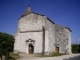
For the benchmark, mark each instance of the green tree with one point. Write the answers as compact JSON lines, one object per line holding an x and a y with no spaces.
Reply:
{"x":78,"y":48}
{"x":6,"y":44}
{"x":74,"y":48}
{"x":0,"y":51}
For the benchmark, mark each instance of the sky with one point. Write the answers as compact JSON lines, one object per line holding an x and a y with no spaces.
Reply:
{"x":63,"y":12}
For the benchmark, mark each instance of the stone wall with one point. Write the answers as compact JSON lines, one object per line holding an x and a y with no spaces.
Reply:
{"x":31,"y":27}
{"x":69,"y":42}
{"x":50,"y":28}
{"x":17,"y":39}
{"x":62,"y":38}
{"x":36,"y":36}
{"x":31,"y":22}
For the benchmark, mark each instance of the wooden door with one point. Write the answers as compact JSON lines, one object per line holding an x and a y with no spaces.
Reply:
{"x":31,"y":49}
{"x":57,"y":49}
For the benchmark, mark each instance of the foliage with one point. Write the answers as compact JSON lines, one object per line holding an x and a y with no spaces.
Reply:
{"x":57,"y":54}
{"x":50,"y":55}
{"x":74,"y":48}
{"x":78,"y":48}
{"x":6,"y":44}
{"x":14,"y":55}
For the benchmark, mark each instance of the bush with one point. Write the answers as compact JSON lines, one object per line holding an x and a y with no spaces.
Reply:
{"x":50,"y":55}
{"x":14,"y":55}
{"x":56,"y":54}
{"x":74,"y":48}
{"x":6,"y":45}
{"x":12,"y":59}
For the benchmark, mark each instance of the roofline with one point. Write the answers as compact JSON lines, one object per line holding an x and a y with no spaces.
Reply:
{"x":37,"y":14}
{"x":68,"y":29}
{"x":50,"y":20}
{"x":46,"y":17}
{"x":64,"y":27}
{"x":34,"y":13}
{"x":30,"y":13}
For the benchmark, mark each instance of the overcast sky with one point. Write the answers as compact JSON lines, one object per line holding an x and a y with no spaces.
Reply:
{"x":63,"y":12}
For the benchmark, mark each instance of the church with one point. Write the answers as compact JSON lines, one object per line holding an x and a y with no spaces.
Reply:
{"x":36,"y":34}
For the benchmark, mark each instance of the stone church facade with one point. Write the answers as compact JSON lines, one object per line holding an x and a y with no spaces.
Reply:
{"x":36,"y":33}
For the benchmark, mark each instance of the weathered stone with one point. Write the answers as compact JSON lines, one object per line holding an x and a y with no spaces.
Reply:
{"x":43,"y":34}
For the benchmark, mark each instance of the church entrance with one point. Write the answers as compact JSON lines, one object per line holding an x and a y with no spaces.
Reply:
{"x":31,"y":49}
{"x":30,"y":46}
{"x":57,"y":49}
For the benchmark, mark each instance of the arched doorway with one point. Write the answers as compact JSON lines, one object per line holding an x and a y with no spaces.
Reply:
{"x":31,"y":49}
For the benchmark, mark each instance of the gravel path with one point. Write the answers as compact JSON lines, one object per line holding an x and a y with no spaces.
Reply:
{"x":27,"y":57}
{"x":32,"y":57}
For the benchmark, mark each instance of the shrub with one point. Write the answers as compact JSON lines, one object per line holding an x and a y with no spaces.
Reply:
{"x":14,"y":55}
{"x":56,"y":54}
{"x":50,"y":55}
{"x":74,"y":48}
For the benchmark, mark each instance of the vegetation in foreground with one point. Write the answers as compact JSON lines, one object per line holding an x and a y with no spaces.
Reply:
{"x":75,"y":48}
{"x":49,"y":55}
{"x":6,"y":45}
{"x":14,"y":56}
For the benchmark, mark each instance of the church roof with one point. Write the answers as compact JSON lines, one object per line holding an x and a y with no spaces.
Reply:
{"x":28,"y":11}
{"x":68,"y":29}
{"x":64,"y":27}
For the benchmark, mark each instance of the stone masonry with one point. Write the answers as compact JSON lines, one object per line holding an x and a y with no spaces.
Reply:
{"x":42,"y":33}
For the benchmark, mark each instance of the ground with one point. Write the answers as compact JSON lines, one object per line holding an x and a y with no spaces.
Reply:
{"x":32,"y":57}
{"x":27,"y":56}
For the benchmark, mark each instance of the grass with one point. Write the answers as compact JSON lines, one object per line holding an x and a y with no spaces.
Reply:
{"x":12,"y":59}
{"x":50,"y":55}
{"x":57,"y":54}
{"x":14,"y":56}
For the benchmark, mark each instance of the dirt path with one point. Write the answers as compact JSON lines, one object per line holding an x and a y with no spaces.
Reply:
{"x":27,"y":57}
{"x":32,"y":57}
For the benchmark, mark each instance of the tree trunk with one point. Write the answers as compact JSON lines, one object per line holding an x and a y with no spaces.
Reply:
{"x":1,"y":53}
{"x":7,"y":54}
{"x":1,"y":58}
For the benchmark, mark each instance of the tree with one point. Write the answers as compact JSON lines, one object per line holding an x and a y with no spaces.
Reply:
{"x":6,"y":44}
{"x":78,"y":48}
{"x":74,"y":48}
{"x":0,"y":51}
